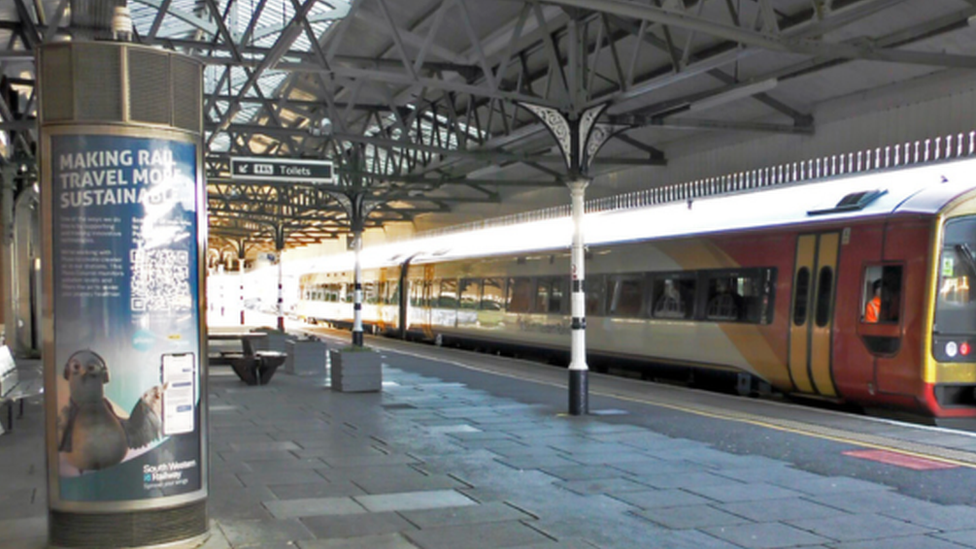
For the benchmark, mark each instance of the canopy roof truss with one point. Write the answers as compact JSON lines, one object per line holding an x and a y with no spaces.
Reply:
{"x":416,"y":101}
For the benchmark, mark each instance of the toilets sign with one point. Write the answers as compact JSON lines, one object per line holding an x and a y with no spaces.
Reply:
{"x":283,"y":170}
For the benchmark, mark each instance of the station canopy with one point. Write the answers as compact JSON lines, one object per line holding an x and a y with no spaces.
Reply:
{"x":418,"y":103}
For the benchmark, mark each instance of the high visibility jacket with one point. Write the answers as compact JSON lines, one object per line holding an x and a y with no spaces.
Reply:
{"x":873,"y":310}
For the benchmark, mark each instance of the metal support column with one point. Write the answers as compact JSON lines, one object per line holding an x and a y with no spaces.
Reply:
{"x":578,"y":370}
{"x":8,"y":176}
{"x":579,"y":138}
{"x":358,"y":221}
{"x":279,"y":257}
{"x":241,"y":256}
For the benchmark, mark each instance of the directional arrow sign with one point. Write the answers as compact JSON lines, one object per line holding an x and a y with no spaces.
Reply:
{"x":284,"y":170}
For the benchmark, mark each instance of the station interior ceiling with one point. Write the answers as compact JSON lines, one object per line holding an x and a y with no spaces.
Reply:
{"x":421,"y":104}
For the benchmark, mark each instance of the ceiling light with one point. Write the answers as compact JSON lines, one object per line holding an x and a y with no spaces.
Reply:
{"x":734,"y":94}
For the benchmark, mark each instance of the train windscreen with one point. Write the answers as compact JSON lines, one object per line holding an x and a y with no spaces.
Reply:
{"x":955,"y":309}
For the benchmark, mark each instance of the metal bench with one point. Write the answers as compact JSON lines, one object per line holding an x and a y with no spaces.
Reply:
{"x":259,"y":368}
{"x":15,"y":386}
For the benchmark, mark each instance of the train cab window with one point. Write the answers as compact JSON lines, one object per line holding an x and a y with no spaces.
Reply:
{"x":673,"y":297}
{"x":955,"y":307}
{"x":470,"y":293}
{"x":448,"y":297}
{"x":493,"y":294}
{"x":520,"y":294}
{"x":625,"y":295}
{"x":881,"y":294}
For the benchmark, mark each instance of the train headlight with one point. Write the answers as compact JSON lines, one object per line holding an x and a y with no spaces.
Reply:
{"x":951,"y":349}
{"x":964,"y":348}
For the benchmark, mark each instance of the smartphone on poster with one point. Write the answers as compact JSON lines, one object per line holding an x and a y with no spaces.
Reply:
{"x":178,"y":376}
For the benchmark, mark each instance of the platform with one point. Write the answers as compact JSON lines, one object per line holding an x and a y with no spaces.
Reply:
{"x":452,"y":455}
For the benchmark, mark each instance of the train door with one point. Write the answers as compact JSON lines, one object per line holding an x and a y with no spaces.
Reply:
{"x":812,"y":318}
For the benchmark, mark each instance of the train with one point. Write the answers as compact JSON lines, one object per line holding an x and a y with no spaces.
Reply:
{"x":772,"y":285}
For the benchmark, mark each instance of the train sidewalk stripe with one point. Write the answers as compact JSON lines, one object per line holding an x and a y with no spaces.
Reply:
{"x":901,"y":460}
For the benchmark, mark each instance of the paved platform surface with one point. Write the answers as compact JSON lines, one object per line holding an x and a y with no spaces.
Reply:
{"x":450,"y":458}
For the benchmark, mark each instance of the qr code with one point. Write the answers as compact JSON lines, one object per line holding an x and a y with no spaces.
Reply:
{"x":160,"y":280}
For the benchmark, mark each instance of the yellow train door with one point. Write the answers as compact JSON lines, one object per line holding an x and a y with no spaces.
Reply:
{"x":812,"y":313}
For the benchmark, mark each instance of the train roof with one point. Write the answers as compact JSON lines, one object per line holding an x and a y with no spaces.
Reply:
{"x":923,"y":190}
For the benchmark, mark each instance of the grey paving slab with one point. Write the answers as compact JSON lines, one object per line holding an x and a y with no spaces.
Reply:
{"x":652,"y":466}
{"x":383,"y":541}
{"x":965,"y":538}
{"x":602,"y":486}
{"x":696,"y":516}
{"x":245,"y":533}
{"x":874,"y":501}
{"x":689,"y":480}
{"x":257,"y":455}
{"x":561,"y":544}
{"x":335,"y":488}
{"x":408,"y":484}
{"x":477,"y":536}
{"x":932,"y":515}
{"x":860,"y":526}
{"x":288,"y":464}
{"x":910,"y":542}
{"x":765,"y":535}
{"x":774,"y":510}
{"x":727,"y":493}
{"x":582,"y":472}
{"x":408,"y":501}
{"x":370,"y":460}
{"x":310,"y":507}
{"x":267,"y":446}
{"x":349,"y":526}
{"x":535,"y":461}
{"x":834,"y":485}
{"x":26,"y":533}
{"x":280,"y":477}
{"x":652,"y":499}
{"x":496,"y":445}
{"x":471,"y":514}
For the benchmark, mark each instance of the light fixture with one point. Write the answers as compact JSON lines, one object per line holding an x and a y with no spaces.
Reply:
{"x":734,"y":94}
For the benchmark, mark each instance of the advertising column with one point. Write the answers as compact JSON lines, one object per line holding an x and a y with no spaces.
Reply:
{"x":124,"y":222}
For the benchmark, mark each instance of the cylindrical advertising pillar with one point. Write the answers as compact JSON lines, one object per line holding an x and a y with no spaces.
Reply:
{"x":124,"y":233}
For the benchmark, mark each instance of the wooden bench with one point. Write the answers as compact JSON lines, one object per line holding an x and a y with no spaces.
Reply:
{"x":259,"y":368}
{"x":15,"y":386}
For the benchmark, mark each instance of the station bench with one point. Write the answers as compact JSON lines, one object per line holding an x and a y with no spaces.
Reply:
{"x":15,"y":387}
{"x":259,"y":368}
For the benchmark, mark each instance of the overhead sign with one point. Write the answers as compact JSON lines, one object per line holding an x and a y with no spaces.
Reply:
{"x":284,"y":170}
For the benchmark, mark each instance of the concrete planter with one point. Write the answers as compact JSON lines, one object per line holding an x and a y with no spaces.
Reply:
{"x":275,"y":340}
{"x":355,"y":371}
{"x":306,"y":357}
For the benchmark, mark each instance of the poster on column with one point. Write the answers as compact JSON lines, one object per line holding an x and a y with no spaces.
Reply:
{"x":126,"y":317}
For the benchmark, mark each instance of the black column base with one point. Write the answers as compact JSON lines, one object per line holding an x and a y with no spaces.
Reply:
{"x":129,"y":529}
{"x":579,"y":392}
{"x":357,"y":339}
{"x":281,"y":324}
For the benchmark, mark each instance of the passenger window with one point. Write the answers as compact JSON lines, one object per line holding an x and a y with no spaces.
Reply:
{"x":519,"y":295}
{"x":881,"y":294}
{"x":557,"y":294}
{"x":448,"y":295}
{"x":470,"y":294}
{"x":493,"y":296}
{"x":725,"y":300}
{"x":673,"y":297}
{"x":825,"y":293}
{"x":801,"y":294}
{"x":625,"y":294}
{"x":593,"y":288}
{"x":542,"y":295}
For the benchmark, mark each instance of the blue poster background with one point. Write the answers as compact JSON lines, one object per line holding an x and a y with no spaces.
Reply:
{"x":125,"y":294}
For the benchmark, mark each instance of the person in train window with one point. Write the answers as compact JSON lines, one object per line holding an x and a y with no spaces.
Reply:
{"x":670,"y":304}
{"x":726,"y":304}
{"x":872,"y":311}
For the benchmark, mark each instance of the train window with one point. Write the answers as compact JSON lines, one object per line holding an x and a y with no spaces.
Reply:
{"x":725,"y":301}
{"x":470,"y":293}
{"x":673,"y":297}
{"x":740,"y":296}
{"x":542,"y":295}
{"x":558,"y":294}
{"x":801,"y":294}
{"x":448,"y":296}
{"x":348,"y":293}
{"x":625,"y":294}
{"x":493,"y":294}
{"x":520,"y":295}
{"x":593,"y":287}
{"x":955,"y":308}
{"x":881,"y":294}
{"x":825,"y":294}
{"x":369,"y":292}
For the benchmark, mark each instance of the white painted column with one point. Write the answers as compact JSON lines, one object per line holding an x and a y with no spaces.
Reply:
{"x":281,"y":291}
{"x":357,"y":326}
{"x":578,"y":370}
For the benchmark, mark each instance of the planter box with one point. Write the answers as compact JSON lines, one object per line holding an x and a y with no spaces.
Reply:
{"x":306,"y":357}
{"x":356,"y":371}
{"x":275,"y":341}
